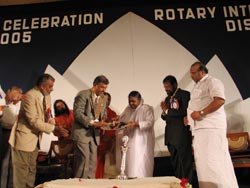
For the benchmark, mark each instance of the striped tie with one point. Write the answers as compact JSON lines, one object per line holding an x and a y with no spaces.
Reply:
{"x":96,"y":103}
{"x":44,"y":110}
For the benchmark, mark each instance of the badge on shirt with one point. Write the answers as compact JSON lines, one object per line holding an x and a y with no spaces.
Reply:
{"x":174,"y":104}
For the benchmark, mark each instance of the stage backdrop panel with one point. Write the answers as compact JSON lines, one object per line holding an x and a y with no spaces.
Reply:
{"x":135,"y":46}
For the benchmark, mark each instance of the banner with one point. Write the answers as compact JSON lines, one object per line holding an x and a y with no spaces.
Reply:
{"x":135,"y":46}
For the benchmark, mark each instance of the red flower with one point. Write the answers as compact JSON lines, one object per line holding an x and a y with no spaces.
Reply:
{"x":184,"y":182}
{"x":114,"y":186}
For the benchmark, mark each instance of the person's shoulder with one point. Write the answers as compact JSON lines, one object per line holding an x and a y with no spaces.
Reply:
{"x":148,"y":107}
{"x":127,"y":109}
{"x":33,"y":92}
{"x":184,"y":91}
{"x":213,"y":80}
{"x":84,"y":92}
{"x":216,"y":79}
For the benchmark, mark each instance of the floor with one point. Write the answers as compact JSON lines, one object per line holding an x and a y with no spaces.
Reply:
{"x":243,"y":175}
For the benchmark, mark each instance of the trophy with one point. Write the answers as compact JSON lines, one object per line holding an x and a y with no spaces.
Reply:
{"x":124,"y":148}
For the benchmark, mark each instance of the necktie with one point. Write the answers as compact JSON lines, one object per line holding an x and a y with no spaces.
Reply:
{"x":44,"y":110}
{"x":97,"y":108}
{"x":96,"y":102}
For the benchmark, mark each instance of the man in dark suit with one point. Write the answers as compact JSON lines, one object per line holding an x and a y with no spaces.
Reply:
{"x":178,"y":137}
{"x":89,"y":116}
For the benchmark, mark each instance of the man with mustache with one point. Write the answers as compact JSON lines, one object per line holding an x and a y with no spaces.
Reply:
{"x":33,"y":120}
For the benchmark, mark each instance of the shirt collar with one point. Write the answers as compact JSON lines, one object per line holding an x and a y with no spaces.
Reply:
{"x":41,"y":97}
{"x":204,"y":78}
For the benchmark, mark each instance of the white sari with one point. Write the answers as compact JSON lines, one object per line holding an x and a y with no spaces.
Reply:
{"x":140,"y":153}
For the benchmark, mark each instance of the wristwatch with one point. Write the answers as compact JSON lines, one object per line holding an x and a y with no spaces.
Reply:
{"x":201,"y":112}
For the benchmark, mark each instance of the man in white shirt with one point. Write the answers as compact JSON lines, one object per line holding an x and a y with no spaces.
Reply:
{"x":10,"y":105}
{"x":206,"y":110}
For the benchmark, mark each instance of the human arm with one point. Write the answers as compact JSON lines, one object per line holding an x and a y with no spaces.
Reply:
{"x":83,"y":114}
{"x":99,"y":124}
{"x":216,"y":93}
{"x":178,"y":108}
{"x":164,"y":107}
{"x":212,"y":107}
{"x":32,"y":112}
{"x":59,"y":130}
{"x":144,"y":119}
{"x":65,"y":121}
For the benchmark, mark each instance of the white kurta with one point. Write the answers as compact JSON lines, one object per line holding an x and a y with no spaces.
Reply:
{"x":212,"y":159}
{"x":8,"y":113}
{"x":140,"y":153}
{"x":202,"y":95}
{"x":2,"y":99}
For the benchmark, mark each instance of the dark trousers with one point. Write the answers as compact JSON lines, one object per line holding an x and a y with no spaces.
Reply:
{"x":182,"y":160}
{"x":1,"y":151}
{"x":6,"y":165}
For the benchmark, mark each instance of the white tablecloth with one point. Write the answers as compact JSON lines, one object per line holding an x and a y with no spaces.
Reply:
{"x":151,"y":182}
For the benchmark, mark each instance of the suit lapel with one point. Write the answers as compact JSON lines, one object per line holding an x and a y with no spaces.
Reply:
{"x":98,"y":112}
{"x":39,"y":99}
{"x":91,"y":98}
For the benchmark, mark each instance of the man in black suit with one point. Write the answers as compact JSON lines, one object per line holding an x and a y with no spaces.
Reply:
{"x":178,"y":137}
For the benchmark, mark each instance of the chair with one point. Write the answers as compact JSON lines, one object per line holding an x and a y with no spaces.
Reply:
{"x":57,"y":163}
{"x":239,"y":148}
{"x":63,"y":154}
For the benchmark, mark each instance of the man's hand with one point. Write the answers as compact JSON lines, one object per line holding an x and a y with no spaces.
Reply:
{"x":61,"y":131}
{"x":185,"y":120}
{"x":163,"y":106}
{"x":132,"y":124}
{"x":52,"y":121}
{"x":98,"y":124}
{"x":195,"y":115}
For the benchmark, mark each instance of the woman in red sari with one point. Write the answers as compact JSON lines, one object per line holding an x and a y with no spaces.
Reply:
{"x":107,"y":140}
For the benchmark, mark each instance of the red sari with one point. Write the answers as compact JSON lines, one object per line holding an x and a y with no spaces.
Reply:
{"x":107,"y":140}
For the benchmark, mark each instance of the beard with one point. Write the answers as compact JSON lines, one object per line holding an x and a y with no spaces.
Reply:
{"x":170,"y":93}
{"x":45,"y":93}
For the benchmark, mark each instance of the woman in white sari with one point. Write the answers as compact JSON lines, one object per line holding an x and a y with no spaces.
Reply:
{"x":139,"y":118}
